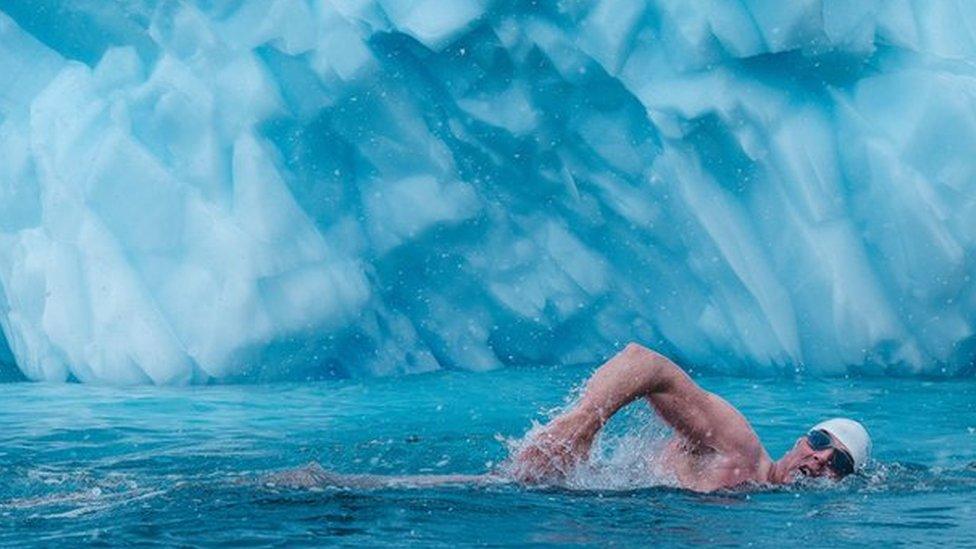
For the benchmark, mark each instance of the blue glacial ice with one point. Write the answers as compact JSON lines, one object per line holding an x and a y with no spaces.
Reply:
{"x":268,"y":189}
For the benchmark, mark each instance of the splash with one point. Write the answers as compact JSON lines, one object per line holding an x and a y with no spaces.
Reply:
{"x":626,"y":454}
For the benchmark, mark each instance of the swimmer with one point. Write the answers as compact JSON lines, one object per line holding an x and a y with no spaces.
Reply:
{"x":713,"y":446}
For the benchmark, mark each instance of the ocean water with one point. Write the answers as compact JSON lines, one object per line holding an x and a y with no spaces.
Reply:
{"x":185,"y":466}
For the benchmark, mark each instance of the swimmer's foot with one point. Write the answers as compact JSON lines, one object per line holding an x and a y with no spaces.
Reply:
{"x":311,"y":475}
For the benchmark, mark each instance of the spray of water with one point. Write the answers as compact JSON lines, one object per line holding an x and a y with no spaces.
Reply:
{"x":625,"y":455}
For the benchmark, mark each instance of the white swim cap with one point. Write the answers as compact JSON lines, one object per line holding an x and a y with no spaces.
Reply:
{"x":851,"y":434}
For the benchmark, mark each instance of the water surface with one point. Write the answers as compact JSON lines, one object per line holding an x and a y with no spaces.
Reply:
{"x":86,"y":464}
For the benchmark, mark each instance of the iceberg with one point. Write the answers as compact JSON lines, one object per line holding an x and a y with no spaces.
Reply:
{"x":251,"y":190}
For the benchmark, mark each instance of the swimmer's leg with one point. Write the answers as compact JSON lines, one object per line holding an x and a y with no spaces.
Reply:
{"x":308,"y":476}
{"x":424,"y":481}
{"x":314,"y":476}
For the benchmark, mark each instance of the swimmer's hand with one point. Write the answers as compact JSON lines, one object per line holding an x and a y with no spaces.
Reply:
{"x":555,"y":451}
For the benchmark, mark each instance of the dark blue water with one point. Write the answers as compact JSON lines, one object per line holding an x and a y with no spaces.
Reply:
{"x":107,"y":466}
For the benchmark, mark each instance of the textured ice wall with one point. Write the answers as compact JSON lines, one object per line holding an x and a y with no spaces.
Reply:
{"x":290,"y":188}
{"x":8,"y":367}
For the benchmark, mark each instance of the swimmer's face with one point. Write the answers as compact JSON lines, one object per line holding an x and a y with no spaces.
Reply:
{"x":803,"y":460}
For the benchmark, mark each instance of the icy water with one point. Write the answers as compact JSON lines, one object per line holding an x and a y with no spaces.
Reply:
{"x":168,"y":466}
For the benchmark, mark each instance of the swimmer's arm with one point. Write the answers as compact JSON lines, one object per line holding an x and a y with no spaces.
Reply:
{"x":556,"y":449}
{"x":701,"y":417}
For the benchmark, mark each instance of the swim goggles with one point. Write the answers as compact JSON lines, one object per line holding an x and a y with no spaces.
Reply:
{"x":841,"y":462}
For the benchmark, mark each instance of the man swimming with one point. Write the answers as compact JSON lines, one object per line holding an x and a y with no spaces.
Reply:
{"x":713,"y":446}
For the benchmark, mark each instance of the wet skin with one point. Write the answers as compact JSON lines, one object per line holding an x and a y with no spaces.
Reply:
{"x":714,"y":446}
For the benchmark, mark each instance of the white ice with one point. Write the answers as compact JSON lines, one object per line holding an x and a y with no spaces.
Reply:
{"x":291,"y":189}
